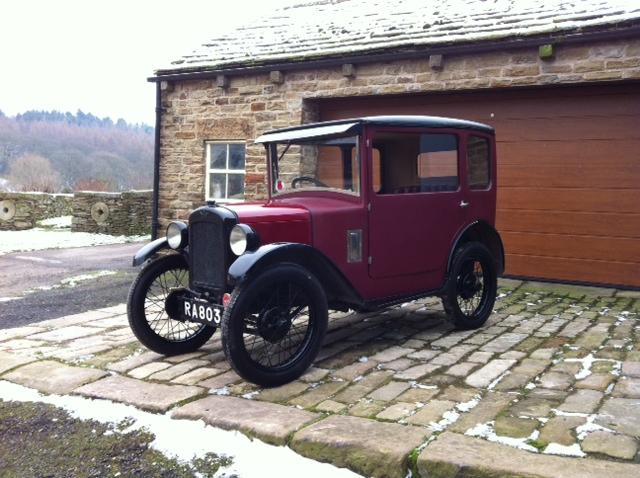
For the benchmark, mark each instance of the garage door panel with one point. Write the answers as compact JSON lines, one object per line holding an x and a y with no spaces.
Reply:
{"x":591,"y":271}
{"x":581,"y":200}
{"x":573,"y":247}
{"x":615,"y":154}
{"x":567,"y":129}
{"x":562,"y":222}
{"x":569,"y":176}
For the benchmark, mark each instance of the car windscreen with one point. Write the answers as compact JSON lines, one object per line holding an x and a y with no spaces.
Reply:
{"x":323,"y":164}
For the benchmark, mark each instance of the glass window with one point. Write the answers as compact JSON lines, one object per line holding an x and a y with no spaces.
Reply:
{"x":415,"y":163}
{"x":322,"y":164}
{"x":225,"y":171}
{"x":478,"y":162}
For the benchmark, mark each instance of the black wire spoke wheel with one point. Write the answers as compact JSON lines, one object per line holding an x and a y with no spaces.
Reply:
{"x":274,"y":326}
{"x":161,"y":306}
{"x":154,"y":308}
{"x":471,"y":288}
{"x":280,"y":328}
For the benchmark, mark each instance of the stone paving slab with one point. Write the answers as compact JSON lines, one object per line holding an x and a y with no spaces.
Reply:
{"x":53,"y":377}
{"x":551,"y":364}
{"x":453,"y":455}
{"x":368,"y":447}
{"x":150,"y":396}
{"x":269,"y":422}
{"x":12,"y":360}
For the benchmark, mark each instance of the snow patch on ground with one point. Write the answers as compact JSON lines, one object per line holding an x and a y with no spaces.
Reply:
{"x":39,"y":238}
{"x":466,"y":406}
{"x":448,"y":418}
{"x":571,"y":450}
{"x":60,"y":222}
{"x":486,"y":431}
{"x":583,"y":430}
{"x":187,"y":439}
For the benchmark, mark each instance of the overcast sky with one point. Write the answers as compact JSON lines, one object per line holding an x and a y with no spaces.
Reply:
{"x":96,"y":55}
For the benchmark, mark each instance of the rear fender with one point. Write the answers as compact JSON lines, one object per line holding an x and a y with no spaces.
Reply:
{"x":486,"y":234}
{"x":337,"y":288}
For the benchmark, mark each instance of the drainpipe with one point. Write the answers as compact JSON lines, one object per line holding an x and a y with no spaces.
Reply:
{"x":156,"y":166}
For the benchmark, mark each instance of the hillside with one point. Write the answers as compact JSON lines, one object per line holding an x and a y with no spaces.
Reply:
{"x":82,"y":148}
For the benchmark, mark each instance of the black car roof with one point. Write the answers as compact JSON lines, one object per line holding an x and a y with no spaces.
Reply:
{"x":390,"y":120}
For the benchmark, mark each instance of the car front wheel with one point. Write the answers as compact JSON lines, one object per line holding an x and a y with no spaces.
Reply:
{"x":274,"y":325}
{"x":470,"y":292}
{"x":152,"y":308}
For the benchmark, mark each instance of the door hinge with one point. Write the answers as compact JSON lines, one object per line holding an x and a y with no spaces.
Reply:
{"x":370,"y":260}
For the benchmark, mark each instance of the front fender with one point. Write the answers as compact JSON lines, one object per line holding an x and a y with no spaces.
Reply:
{"x":336,"y":286}
{"x":148,"y":250}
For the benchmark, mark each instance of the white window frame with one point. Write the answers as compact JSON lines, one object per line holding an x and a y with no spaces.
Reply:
{"x":209,"y":170}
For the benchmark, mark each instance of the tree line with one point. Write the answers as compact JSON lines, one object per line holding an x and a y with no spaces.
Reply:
{"x":54,"y":151}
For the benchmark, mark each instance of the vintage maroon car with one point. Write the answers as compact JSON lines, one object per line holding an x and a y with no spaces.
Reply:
{"x":362,"y":214}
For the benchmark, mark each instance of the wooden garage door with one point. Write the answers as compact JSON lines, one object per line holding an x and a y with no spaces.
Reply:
{"x":568,"y":174}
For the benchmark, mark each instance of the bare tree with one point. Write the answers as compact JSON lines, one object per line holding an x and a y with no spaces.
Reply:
{"x":31,"y":172}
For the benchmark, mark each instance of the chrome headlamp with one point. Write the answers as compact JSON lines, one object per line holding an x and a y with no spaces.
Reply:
{"x":242,"y":238}
{"x":177,"y":236}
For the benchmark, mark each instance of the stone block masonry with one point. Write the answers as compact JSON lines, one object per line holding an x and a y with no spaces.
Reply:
{"x":127,"y":213}
{"x":22,"y":210}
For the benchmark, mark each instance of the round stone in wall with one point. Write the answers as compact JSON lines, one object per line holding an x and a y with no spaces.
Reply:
{"x":100,"y":212}
{"x":7,"y":210}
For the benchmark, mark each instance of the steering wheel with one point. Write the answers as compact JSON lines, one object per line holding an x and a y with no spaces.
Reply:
{"x":307,"y":179}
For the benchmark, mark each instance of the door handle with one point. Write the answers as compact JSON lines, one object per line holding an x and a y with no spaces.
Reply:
{"x":463,"y":203}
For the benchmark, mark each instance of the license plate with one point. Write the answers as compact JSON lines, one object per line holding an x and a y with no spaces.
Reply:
{"x":202,"y":311}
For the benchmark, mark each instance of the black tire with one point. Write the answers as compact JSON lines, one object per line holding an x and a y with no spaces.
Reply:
{"x":148,"y":318}
{"x":470,"y":292}
{"x":266,"y":334}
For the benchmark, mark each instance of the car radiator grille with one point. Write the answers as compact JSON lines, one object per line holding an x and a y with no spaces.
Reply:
{"x":207,"y":251}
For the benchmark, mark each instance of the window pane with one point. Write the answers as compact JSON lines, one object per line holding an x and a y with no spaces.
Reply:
{"x":236,"y":186}
{"x":415,"y":163}
{"x":217,"y":186}
{"x":478,"y":162}
{"x":236,"y":156}
{"x":218,"y":156}
{"x":438,"y":162}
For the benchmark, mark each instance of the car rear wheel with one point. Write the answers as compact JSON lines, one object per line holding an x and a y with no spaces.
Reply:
{"x":274,"y":325}
{"x":151,"y":308}
{"x":470,"y":292}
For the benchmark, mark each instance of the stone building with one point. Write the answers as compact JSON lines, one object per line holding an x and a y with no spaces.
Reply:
{"x":560,"y":82}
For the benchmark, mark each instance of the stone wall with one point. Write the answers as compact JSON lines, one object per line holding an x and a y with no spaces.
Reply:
{"x":127,"y":213}
{"x":22,"y":210}
{"x":197,"y":111}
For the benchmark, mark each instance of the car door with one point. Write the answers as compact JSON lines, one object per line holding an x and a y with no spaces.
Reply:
{"x":480,"y":179}
{"x":414,"y":211}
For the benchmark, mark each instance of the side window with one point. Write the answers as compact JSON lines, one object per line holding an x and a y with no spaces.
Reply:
{"x":478,"y":162}
{"x":414,"y":163}
{"x":225,"y":171}
{"x":438,"y":162}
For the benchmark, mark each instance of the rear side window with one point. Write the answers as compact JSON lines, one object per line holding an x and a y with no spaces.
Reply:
{"x":414,"y":163}
{"x":438,"y":162}
{"x":478,"y":162}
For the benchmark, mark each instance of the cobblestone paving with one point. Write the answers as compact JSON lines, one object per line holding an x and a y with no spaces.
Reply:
{"x":555,"y":371}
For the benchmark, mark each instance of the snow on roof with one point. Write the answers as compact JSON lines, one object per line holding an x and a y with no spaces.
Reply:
{"x":326,"y":28}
